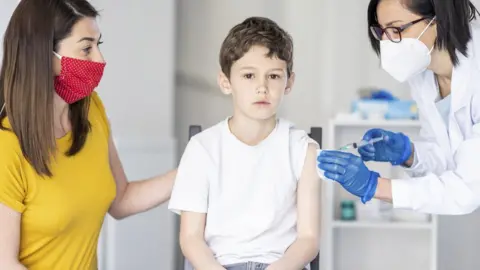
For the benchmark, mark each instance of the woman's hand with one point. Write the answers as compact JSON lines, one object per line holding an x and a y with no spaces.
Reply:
{"x":395,"y":148}
{"x":350,"y":172}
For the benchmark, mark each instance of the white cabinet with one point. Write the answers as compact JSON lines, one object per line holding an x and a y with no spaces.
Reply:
{"x":380,"y":237}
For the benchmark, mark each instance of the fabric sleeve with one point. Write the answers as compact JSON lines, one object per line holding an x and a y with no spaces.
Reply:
{"x":299,"y":141}
{"x":13,"y":188}
{"x":191,"y":188}
{"x":452,"y":192}
{"x":428,"y":155}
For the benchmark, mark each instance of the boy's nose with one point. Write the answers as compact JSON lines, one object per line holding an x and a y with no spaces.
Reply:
{"x":262,"y":90}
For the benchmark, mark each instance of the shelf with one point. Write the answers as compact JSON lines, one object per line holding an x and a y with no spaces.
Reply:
{"x":375,"y":123}
{"x":383,"y":225}
{"x":349,"y":236}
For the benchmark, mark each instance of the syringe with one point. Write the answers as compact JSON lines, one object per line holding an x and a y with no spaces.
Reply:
{"x":359,"y":144}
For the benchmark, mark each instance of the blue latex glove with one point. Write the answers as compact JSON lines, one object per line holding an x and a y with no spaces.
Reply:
{"x":395,"y":148}
{"x":383,"y":95}
{"x":350,"y":172}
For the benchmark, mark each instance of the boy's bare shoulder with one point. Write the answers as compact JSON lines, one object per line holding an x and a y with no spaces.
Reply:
{"x":301,"y":147}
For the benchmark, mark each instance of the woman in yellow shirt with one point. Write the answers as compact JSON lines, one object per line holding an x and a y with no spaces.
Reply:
{"x":59,"y":170}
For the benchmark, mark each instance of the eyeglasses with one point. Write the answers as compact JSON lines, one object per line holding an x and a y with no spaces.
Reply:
{"x":393,"y":33}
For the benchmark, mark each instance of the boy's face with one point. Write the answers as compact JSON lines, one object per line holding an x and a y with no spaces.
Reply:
{"x":257,"y":84}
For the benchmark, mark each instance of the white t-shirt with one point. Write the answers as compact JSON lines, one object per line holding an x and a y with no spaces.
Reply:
{"x":248,"y":192}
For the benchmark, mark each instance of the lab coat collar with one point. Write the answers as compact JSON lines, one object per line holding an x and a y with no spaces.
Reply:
{"x":461,"y":76}
{"x":425,"y":93}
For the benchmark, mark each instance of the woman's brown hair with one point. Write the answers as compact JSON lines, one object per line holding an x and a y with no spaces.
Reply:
{"x":26,"y":77}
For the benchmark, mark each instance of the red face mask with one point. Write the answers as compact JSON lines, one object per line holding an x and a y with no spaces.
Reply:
{"x":78,"y":78}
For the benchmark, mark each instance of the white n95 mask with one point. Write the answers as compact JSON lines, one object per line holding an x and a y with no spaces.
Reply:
{"x":405,"y":59}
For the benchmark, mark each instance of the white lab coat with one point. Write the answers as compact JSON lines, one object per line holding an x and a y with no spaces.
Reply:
{"x":446,"y":176}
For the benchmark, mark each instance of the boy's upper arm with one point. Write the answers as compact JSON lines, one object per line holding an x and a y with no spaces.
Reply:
{"x":192,"y":224}
{"x":309,"y":196}
{"x":190,"y":191}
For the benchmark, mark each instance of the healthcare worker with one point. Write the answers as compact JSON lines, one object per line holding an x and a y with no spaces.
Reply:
{"x":434,"y":45}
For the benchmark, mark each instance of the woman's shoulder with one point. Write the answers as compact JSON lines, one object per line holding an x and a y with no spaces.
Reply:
{"x":9,"y":144}
{"x":97,"y":103}
{"x":97,"y":110}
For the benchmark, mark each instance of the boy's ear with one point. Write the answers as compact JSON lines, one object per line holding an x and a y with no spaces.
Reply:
{"x":290,"y":83}
{"x":224,"y":83}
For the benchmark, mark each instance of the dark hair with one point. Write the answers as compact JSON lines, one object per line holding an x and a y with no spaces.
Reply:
{"x":256,"y":31}
{"x":26,"y":77}
{"x":453,"y":19}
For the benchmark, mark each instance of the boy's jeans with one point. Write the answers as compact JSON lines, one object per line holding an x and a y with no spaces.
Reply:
{"x":238,"y":266}
{"x":246,"y":266}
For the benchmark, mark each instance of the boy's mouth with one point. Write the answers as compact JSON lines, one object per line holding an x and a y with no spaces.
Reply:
{"x":263,"y":102}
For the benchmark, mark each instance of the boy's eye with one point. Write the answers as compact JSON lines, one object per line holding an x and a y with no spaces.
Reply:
{"x":274,"y":76}
{"x":248,"y":76}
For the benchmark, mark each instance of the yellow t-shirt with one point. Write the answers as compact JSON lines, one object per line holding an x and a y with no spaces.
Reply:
{"x":61,"y":216}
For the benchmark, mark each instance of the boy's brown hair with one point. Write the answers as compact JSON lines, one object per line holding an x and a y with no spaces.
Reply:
{"x":258,"y":31}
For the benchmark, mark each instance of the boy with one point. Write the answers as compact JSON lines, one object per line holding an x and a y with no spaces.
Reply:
{"x":247,"y":188}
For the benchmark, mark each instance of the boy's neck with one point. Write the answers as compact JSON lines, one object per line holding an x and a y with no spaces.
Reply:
{"x":251,"y":131}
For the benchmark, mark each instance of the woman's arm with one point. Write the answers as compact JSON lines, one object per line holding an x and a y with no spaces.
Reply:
{"x":131,"y":197}
{"x":138,"y":196}
{"x":434,"y":189}
{"x":9,"y":238}
{"x":13,"y":191}
{"x":192,"y":242}
{"x":306,"y":246}
{"x":453,"y":192}
{"x":384,"y":190}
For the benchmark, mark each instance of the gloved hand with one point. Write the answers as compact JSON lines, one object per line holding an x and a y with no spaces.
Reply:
{"x":395,"y":147}
{"x":350,"y":172}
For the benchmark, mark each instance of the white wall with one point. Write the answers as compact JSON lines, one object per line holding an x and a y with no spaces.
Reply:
{"x":138,"y":92}
{"x":323,"y":54}
{"x":332,"y":60}
{"x":140,"y":54}
{"x":6,"y":10}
